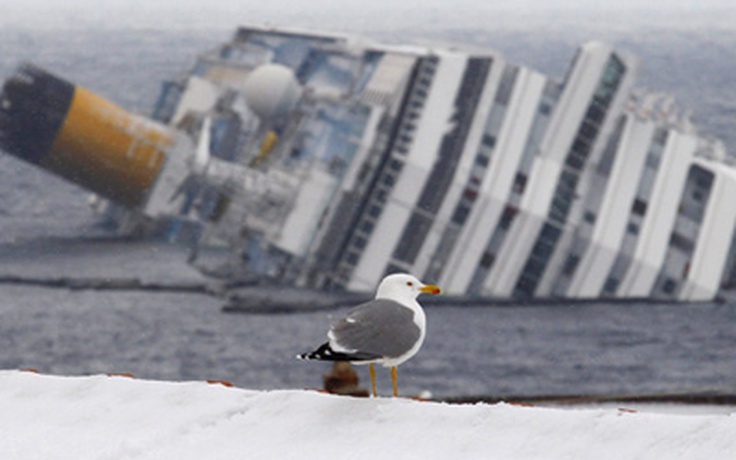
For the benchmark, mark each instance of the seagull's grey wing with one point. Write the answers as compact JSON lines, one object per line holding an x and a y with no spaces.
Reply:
{"x":380,"y":327}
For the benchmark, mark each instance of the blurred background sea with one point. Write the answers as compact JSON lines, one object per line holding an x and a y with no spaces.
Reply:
{"x":47,"y":229}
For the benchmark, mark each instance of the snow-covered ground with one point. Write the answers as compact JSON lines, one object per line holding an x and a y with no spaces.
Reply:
{"x":101,"y":417}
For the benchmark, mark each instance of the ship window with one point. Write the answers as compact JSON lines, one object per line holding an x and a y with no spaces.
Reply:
{"x":482,"y":160}
{"x":581,"y":147}
{"x":595,"y":113}
{"x":374,"y":211}
{"x":470,"y":194}
{"x":542,"y":252}
{"x":525,"y":287}
{"x":571,"y":264}
{"x":561,"y":204}
{"x":632,"y":228}
{"x":508,"y":217}
{"x":568,"y":182}
{"x":366,"y":226}
{"x":680,"y":242}
{"x":363,"y":172}
{"x":359,"y":243}
{"x":550,"y":234}
{"x":614,"y":70}
{"x":506,"y":86}
{"x":520,"y":183}
{"x":660,"y":136}
{"x":395,"y":165}
{"x":639,"y":207}
{"x":575,"y":162}
{"x":704,"y":179}
{"x":669,"y":286}
{"x":604,"y":94}
{"x":487,"y":260}
{"x":461,"y":214}
{"x":489,"y":140}
{"x":588,"y":130}
{"x":653,"y":160}
{"x":611,"y":285}
{"x":589,"y":217}
{"x":351,"y":258}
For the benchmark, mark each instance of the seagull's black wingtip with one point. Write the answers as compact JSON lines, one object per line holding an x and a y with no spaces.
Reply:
{"x":326,"y":353}
{"x":323,"y":353}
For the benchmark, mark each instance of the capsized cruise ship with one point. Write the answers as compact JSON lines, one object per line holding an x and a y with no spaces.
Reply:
{"x":327,"y":161}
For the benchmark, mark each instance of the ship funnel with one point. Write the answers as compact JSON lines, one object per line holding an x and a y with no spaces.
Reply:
{"x":81,"y":136}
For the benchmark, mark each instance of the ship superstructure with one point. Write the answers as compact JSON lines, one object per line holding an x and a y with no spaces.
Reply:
{"x":330,"y":161}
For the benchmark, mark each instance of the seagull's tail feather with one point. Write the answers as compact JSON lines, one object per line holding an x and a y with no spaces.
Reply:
{"x":326,"y":353}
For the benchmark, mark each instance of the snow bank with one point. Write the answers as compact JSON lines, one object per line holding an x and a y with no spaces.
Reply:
{"x":101,"y":417}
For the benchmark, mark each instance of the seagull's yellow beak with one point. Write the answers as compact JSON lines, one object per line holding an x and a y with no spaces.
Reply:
{"x":430,"y":289}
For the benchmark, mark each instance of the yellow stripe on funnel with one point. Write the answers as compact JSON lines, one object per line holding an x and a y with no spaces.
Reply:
{"x":104,"y":148}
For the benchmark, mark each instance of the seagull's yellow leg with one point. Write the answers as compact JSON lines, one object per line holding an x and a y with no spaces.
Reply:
{"x":395,"y":379}
{"x":372,"y":370}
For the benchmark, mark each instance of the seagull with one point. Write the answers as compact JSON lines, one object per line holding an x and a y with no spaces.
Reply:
{"x":388,"y":330}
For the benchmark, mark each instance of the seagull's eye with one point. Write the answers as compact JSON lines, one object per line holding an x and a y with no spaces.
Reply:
{"x":409,"y":283}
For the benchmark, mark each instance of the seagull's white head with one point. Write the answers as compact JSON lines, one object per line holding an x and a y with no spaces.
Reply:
{"x":404,"y":288}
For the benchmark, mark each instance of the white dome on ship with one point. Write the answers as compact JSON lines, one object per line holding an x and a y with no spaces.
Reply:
{"x":272,"y":91}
